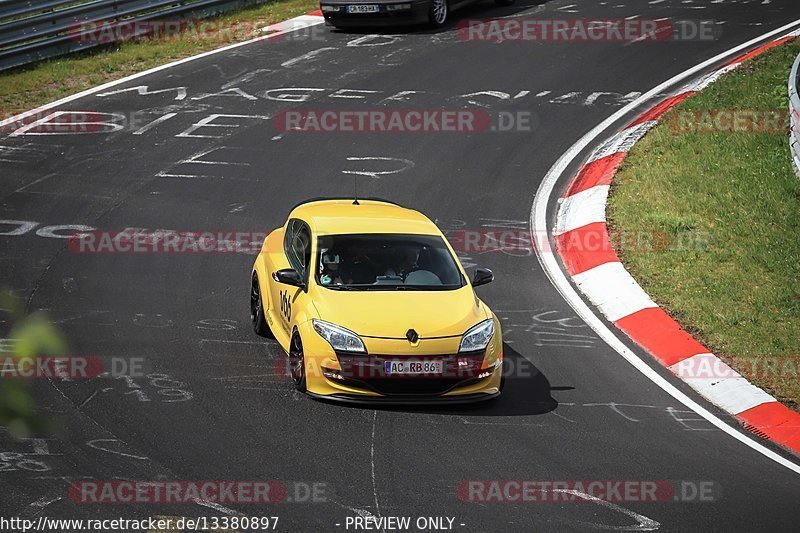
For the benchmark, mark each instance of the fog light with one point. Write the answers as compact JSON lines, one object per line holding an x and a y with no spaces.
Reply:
{"x":330,"y":9}
{"x":332,"y":374}
{"x":485,"y":374}
{"x":397,"y":7}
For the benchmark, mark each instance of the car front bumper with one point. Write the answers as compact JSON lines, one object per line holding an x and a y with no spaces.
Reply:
{"x":361,"y":378}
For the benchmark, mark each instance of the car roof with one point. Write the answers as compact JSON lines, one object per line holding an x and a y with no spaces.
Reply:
{"x":340,"y":216}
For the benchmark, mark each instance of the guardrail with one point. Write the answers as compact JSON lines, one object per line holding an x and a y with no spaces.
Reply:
{"x":794,"y":110}
{"x":32,"y":30}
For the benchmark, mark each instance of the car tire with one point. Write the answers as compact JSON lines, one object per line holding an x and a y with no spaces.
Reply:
{"x":297,"y":363}
{"x":438,"y":13}
{"x":504,"y":2}
{"x":257,"y":317}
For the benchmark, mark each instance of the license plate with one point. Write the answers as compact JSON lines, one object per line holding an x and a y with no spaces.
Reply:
{"x":406,"y":368}
{"x":363,"y":8}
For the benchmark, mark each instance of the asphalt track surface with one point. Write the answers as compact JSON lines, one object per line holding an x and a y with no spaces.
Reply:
{"x":581,"y":413}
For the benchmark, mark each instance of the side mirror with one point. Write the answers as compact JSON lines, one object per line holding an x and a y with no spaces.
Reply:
{"x":482,"y":277}
{"x":289,"y":276}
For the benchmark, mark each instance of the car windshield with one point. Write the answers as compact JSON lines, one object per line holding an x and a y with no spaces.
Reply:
{"x":386,"y":262}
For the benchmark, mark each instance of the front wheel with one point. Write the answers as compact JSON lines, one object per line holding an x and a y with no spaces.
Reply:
{"x":437,"y":15}
{"x":257,"y":318}
{"x":297,"y":363}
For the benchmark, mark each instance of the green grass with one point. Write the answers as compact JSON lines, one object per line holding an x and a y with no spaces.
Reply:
{"x":44,"y":82}
{"x":739,"y":294}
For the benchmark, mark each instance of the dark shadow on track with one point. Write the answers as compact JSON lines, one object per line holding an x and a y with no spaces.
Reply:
{"x":526,"y":392}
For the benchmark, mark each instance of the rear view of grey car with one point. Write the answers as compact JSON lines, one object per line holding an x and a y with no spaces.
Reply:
{"x":356,"y":13}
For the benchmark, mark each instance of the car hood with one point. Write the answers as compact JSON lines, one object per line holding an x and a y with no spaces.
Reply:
{"x":390,"y":314}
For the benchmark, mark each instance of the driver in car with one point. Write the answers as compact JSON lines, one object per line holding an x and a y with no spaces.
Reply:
{"x":404,"y":260}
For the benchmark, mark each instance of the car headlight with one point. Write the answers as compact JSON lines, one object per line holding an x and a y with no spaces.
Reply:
{"x":477,"y":337}
{"x":339,"y":338}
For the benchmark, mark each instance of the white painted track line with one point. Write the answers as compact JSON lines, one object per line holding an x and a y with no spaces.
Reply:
{"x":559,"y":280}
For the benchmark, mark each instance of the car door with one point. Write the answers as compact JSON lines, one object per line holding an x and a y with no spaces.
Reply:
{"x":297,"y":247}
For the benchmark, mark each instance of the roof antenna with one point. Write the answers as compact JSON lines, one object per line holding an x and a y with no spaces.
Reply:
{"x":355,"y":189}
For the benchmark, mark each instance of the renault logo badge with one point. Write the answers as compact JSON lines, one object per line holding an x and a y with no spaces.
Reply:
{"x":412,"y":336}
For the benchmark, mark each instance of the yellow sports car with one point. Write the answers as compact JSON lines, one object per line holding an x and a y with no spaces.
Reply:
{"x":370,"y":303}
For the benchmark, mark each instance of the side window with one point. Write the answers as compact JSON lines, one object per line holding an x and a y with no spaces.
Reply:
{"x":288,"y":237}
{"x":298,"y":246}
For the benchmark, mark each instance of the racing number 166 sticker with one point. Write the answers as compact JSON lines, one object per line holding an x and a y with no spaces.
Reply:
{"x":286,"y":305}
